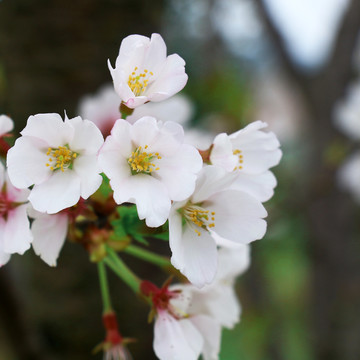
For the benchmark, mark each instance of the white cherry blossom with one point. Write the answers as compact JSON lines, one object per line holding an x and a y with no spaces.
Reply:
{"x":101,"y":108}
{"x":347,"y":112}
{"x":57,"y":157}
{"x":213,"y":210}
{"x":250,"y":152}
{"x":6,"y":125}
{"x":349,"y":175}
{"x":49,"y":232}
{"x":148,"y":165}
{"x":15,"y":235}
{"x":179,"y":334}
{"x":144,"y":73}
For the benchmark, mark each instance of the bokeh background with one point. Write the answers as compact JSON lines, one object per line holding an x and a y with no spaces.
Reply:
{"x":285,"y":62}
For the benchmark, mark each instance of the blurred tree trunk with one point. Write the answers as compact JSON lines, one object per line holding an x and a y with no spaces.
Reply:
{"x":54,"y":52}
{"x":51,"y":54}
{"x":335,"y":252}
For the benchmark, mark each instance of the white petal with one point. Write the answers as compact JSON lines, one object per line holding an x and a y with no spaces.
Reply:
{"x":168,"y":140}
{"x":26,"y":162}
{"x":15,"y":194}
{"x":176,"y":340}
{"x":260,"y":149}
{"x":259,"y":160}
{"x":199,"y":138}
{"x":155,"y":55}
{"x":149,"y":195}
{"x":211,"y":332}
{"x":349,"y":175}
{"x":131,"y":51}
{"x":232,"y":262}
{"x":171,"y":80}
{"x":212,"y":179}
{"x":347,"y":112}
{"x":180,"y":304}
{"x":61,"y":191}
{"x":136,"y":101}
{"x":49,"y":236}
{"x":50,"y":128}
{"x":219,"y":301}
{"x":145,"y":131}
{"x":238,"y":216}
{"x":222,"y":153}
{"x":6,"y":124}
{"x":195,"y":256}
{"x":175,"y":238}
{"x":87,"y":137}
{"x":177,"y":108}
{"x":87,"y":168}
{"x":120,"y":83}
{"x":101,"y":108}
{"x":260,"y":186}
{"x":17,"y":235}
{"x":179,"y":172}
{"x":120,"y":139}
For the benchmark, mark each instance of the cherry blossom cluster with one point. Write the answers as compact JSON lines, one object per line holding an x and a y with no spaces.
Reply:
{"x":62,"y":179}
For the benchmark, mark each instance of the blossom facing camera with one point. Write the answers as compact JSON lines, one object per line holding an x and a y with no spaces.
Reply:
{"x":144,"y":73}
{"x":57,"y":157}
{"x":148,"y":165}
{"x":214,"y":211}
{"x":15,"y":235}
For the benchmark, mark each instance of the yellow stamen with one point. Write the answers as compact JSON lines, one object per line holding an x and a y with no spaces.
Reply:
{"x":240,"y":158}
{"x":60,"y":158}
{"x":198,"y":216}
{"x":141,"y":161}
{"x":138,"y":82}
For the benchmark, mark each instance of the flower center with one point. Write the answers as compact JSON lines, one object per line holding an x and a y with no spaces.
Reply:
{"x":138,"y":82}
{"x":196,"y":215}
{"x":240,"y":158}
{"x":61,"y":158}
{"x":142,"y":162}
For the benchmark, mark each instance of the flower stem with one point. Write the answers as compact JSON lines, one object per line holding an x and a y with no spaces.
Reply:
{"x":104,"y":287}
{"x":146,"y":255}
{"x":121,"y":269}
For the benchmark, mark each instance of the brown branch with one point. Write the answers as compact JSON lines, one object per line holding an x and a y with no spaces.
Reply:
{"x":334,"y":75}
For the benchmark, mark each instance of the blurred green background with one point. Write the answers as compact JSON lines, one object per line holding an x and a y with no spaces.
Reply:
{"x":301,"y":296}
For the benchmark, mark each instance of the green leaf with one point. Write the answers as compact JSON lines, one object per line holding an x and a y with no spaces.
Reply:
{"x":162,"y":236}
{"x":105,"y":189}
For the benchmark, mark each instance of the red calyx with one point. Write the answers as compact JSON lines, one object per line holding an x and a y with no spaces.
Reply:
{"x":113,"y":335}
{"x":160,"y":296}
